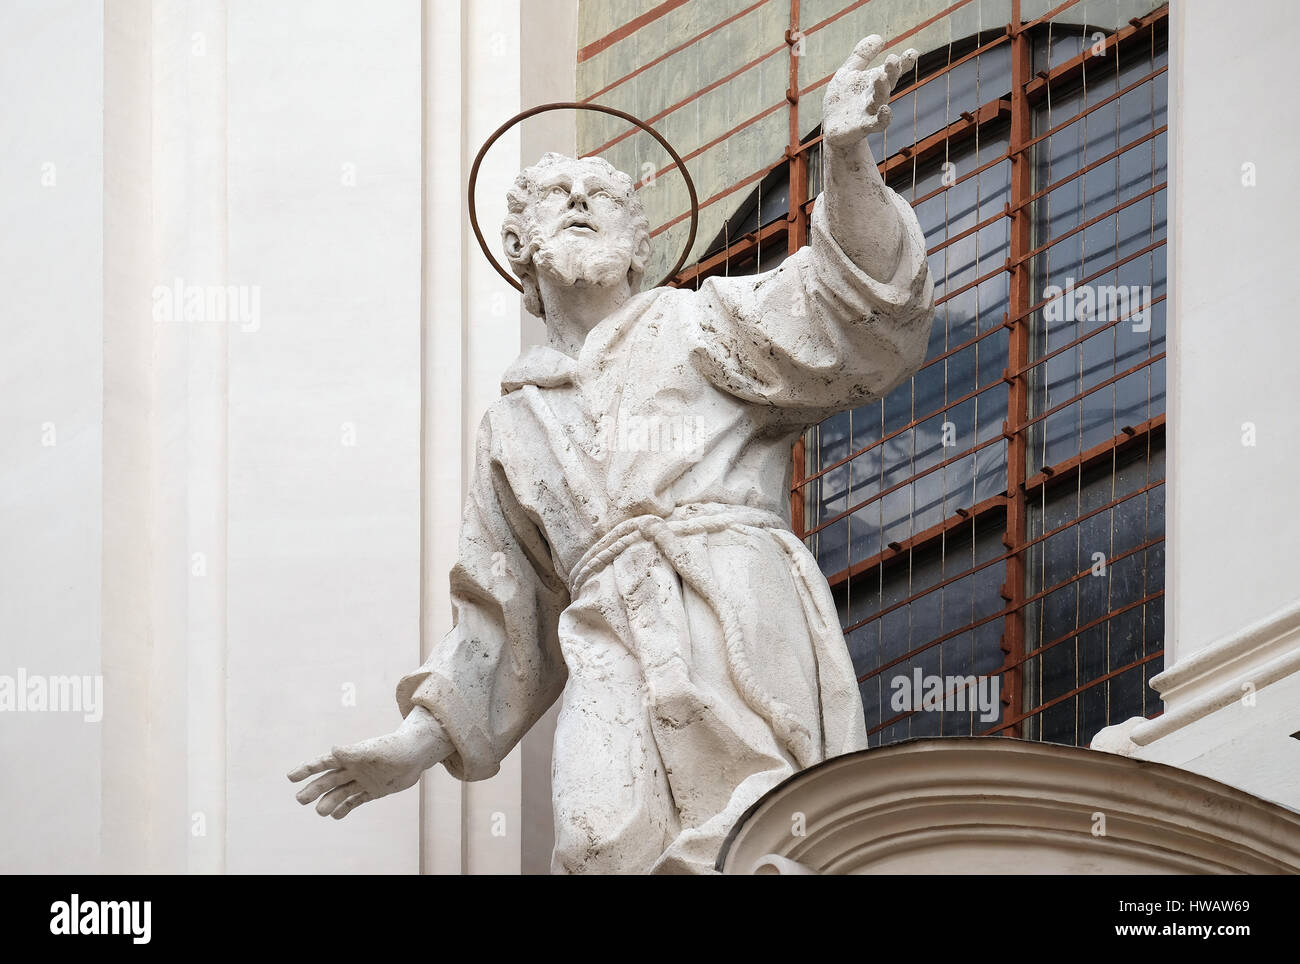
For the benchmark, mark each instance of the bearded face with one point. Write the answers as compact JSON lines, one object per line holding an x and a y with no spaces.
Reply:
{"x":580,"y":227}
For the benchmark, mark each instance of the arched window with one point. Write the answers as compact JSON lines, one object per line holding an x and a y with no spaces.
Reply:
{"x":1000,"y":517}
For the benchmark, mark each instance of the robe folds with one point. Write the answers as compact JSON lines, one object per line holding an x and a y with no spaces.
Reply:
{"x":626,"y":548}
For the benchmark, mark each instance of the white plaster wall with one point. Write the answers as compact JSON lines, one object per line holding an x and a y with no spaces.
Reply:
{"x":1232,"y":527}
{"x":324,"y":503}
{"x":51,"y":86}
{"x":1231,"y":686}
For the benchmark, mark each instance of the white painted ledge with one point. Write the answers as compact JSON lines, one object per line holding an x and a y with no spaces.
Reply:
{"x":1210,"y":679}
{"x":1262,"y":653}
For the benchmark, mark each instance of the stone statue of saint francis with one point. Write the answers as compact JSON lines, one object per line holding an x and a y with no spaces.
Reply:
{"x":626,"y":545}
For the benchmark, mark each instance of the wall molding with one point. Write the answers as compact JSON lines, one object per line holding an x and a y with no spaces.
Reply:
{"x":1209,"y":679}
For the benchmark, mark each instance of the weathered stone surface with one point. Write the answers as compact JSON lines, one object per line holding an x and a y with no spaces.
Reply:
{"x":626,"y":542}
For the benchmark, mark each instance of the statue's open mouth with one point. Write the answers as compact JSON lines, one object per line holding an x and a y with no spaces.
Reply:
{"x":580,"y":223}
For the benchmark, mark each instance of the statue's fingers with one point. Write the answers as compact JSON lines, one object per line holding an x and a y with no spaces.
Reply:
{"x":879,"y":120}
{"x":350,"y":804}
{"x":865,"y":52}
{"x":327,"y":803}
{"x":318,"y":786}
{"x":881,"y":85}
{"x":908,"y":62}
{"x":319,"y":765}
{"x":893,"y":67}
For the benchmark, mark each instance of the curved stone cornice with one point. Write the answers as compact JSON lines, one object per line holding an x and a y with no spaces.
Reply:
{"x":995,"y":805}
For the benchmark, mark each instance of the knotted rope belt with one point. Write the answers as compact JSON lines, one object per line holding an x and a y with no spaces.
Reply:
{"x":670,"y":536}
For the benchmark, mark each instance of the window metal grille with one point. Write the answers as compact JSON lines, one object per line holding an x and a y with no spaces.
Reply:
{"x":1000,"y":515}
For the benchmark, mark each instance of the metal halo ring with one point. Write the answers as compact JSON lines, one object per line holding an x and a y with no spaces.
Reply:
{"x":573,"y":105}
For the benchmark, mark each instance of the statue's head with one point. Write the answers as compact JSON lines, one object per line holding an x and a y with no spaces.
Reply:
{"x":577,"y":221}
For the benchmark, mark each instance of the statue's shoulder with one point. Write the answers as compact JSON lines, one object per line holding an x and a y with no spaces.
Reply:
{"x":651,"y":300}
{"x":664,"y":303}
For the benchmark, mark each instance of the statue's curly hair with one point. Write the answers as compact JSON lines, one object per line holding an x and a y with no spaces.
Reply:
{"x":519,"y":223}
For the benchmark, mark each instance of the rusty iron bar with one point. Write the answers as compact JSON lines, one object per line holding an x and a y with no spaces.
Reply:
{"x":891,"y":41}
{"x":843,"y":11}
{"x":812,"y":142}
{"x":1009,"y":209}
{"x":1000,"y":614}
{"x":1028,"y":600}
{"x":930,"y":78}
{"x":714,"y":199}
{"x":1050,"y":14}
{"x":1077,"y":690}
{"x":738,"y":250}
{"x":936,"y":144}
{"x":1019,"y":308}
{"x":1160,"y":243}
{"x":1097,"y":681}
{"x":1088,"y":168}
{"x":953,"y":64}
{"x":1073,"y":68}
{"x":695,"y":38}
{"x":725,"y":136}
{"x":1006,"y":434}
{"x":993,"y":617}
{"x":796,"y":237}
{"x":1007,"y":265}
{"x":958,"y":130}
{"x":1000,"y":159}
{"x":692,"y":97}
{"x":1061,"y":406}
{"x":839,"y":516}
{"x":1018,"y":295}
{"x":1056,"y":129}
{"x":1130,"y":436}
{"x":923,"y":540}
{"x":1048,"y":477}
{"x":890,"y":436}
{"x":908,"y":714}
{"x":626,"y":29}
{"x":1055,"y":76}
{"x":1040,"y":708}
{"x":1087,"y":336}
{"x":1032,"y":308}
{"x":1097,"y":219}
{"x":961,"y":235}
{"x":978,"y":390}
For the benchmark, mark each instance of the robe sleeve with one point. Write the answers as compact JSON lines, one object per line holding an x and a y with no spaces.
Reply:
{"x":817,"y":334}
{"x":500,"y":667}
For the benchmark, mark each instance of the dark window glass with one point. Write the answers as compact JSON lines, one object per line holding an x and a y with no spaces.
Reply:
{"x":906,"y":499}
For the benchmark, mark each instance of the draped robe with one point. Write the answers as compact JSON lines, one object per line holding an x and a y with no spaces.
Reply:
{"x":626,"y":548}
